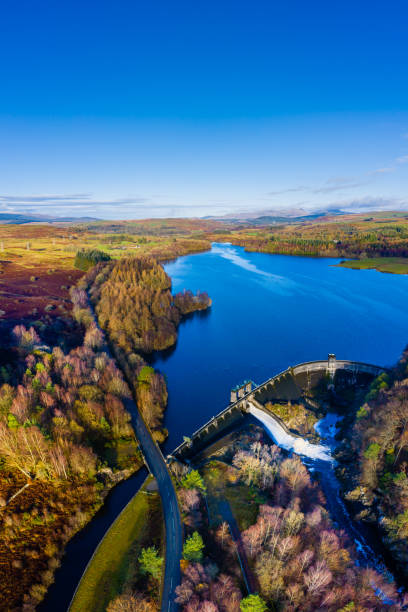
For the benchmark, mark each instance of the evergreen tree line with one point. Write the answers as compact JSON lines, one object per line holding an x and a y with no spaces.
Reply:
{"x":86,"y":258}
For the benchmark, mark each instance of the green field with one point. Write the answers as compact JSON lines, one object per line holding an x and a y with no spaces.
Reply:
{"x":113,"y":561}
{"x":392,"y":265}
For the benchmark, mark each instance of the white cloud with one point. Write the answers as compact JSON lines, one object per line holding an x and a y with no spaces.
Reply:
{"x":383,"y":170}
{"x":368,"y":203}
{"x":332,"y":185}
{"x":288,"y":190}
{"x":338,"y":184}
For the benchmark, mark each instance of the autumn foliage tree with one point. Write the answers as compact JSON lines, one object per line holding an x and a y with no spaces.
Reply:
{"x":129,"y":602}
{"x":301,"y":562}
{"x":150,"y":562}
{"x":199,"y":591}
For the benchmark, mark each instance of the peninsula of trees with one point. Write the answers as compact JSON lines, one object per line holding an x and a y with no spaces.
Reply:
{"x":139,"y":314}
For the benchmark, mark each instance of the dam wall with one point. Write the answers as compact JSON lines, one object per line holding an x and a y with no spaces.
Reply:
{"x":292,"y":384}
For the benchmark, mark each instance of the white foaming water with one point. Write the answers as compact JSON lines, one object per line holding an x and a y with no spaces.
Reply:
{"x":326,"y":427}
{"x":319,"y":456}
{"x":291,"y":443}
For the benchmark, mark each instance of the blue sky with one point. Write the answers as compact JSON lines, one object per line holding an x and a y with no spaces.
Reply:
{"x":133,"y":109}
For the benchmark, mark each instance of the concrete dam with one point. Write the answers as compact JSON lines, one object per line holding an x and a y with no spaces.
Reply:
{"x":295,"y":384}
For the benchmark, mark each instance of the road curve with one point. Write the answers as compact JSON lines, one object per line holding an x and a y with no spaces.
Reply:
{"x":174,"y":533}
{"x":157,"y":467}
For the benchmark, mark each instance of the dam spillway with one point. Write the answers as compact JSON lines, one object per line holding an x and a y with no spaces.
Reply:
{"x":288,"y":441}
{"x":296,"y":383}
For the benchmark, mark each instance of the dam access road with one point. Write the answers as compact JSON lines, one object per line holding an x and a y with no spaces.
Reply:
{"x":174,"y":532}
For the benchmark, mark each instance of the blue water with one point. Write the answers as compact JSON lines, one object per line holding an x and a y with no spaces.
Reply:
{"x":269,"y":312}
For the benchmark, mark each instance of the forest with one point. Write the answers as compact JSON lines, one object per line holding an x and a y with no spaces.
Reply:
{"x":139,"y":314}
{"x":86,"y":258}
{"x":344,"y":236}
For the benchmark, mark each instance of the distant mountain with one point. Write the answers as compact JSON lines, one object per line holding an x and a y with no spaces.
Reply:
{"x":267,"y":217}
{"x":20,"y":218}
{"x":270,"y":220}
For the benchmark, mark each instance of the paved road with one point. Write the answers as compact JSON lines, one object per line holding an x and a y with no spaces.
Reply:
{"x":157,"y":466}
{"x":172,"y":519}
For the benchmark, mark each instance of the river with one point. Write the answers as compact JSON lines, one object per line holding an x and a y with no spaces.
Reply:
{"x":268,"y":312}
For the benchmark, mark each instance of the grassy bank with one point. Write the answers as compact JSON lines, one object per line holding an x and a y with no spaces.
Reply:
{"x":244,"y":500}
{"x":113,"y":565}
{"x":392,"y":265}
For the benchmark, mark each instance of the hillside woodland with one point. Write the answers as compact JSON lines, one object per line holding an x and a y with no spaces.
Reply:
{"x":379,"y":438}
{"x":334,"y":237}
{"x":65,"y":436}
{"x":295,"y":557}
{"x":65,"y":439}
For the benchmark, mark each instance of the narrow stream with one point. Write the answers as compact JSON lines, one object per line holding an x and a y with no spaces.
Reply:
{"x":319,"y":460}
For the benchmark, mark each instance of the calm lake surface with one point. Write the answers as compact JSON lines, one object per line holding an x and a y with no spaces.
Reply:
{"x":269,"y":312}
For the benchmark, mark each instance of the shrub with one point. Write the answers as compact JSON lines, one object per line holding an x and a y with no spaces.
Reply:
{"x":150,"y":562}
{"x":253,"y":603}
{"x":193,"y":548}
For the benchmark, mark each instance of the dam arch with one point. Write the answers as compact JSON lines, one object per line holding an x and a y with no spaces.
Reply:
{"x":293,"y":384}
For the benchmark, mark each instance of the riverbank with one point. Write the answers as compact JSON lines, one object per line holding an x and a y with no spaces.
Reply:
{"x":81,"y":547}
